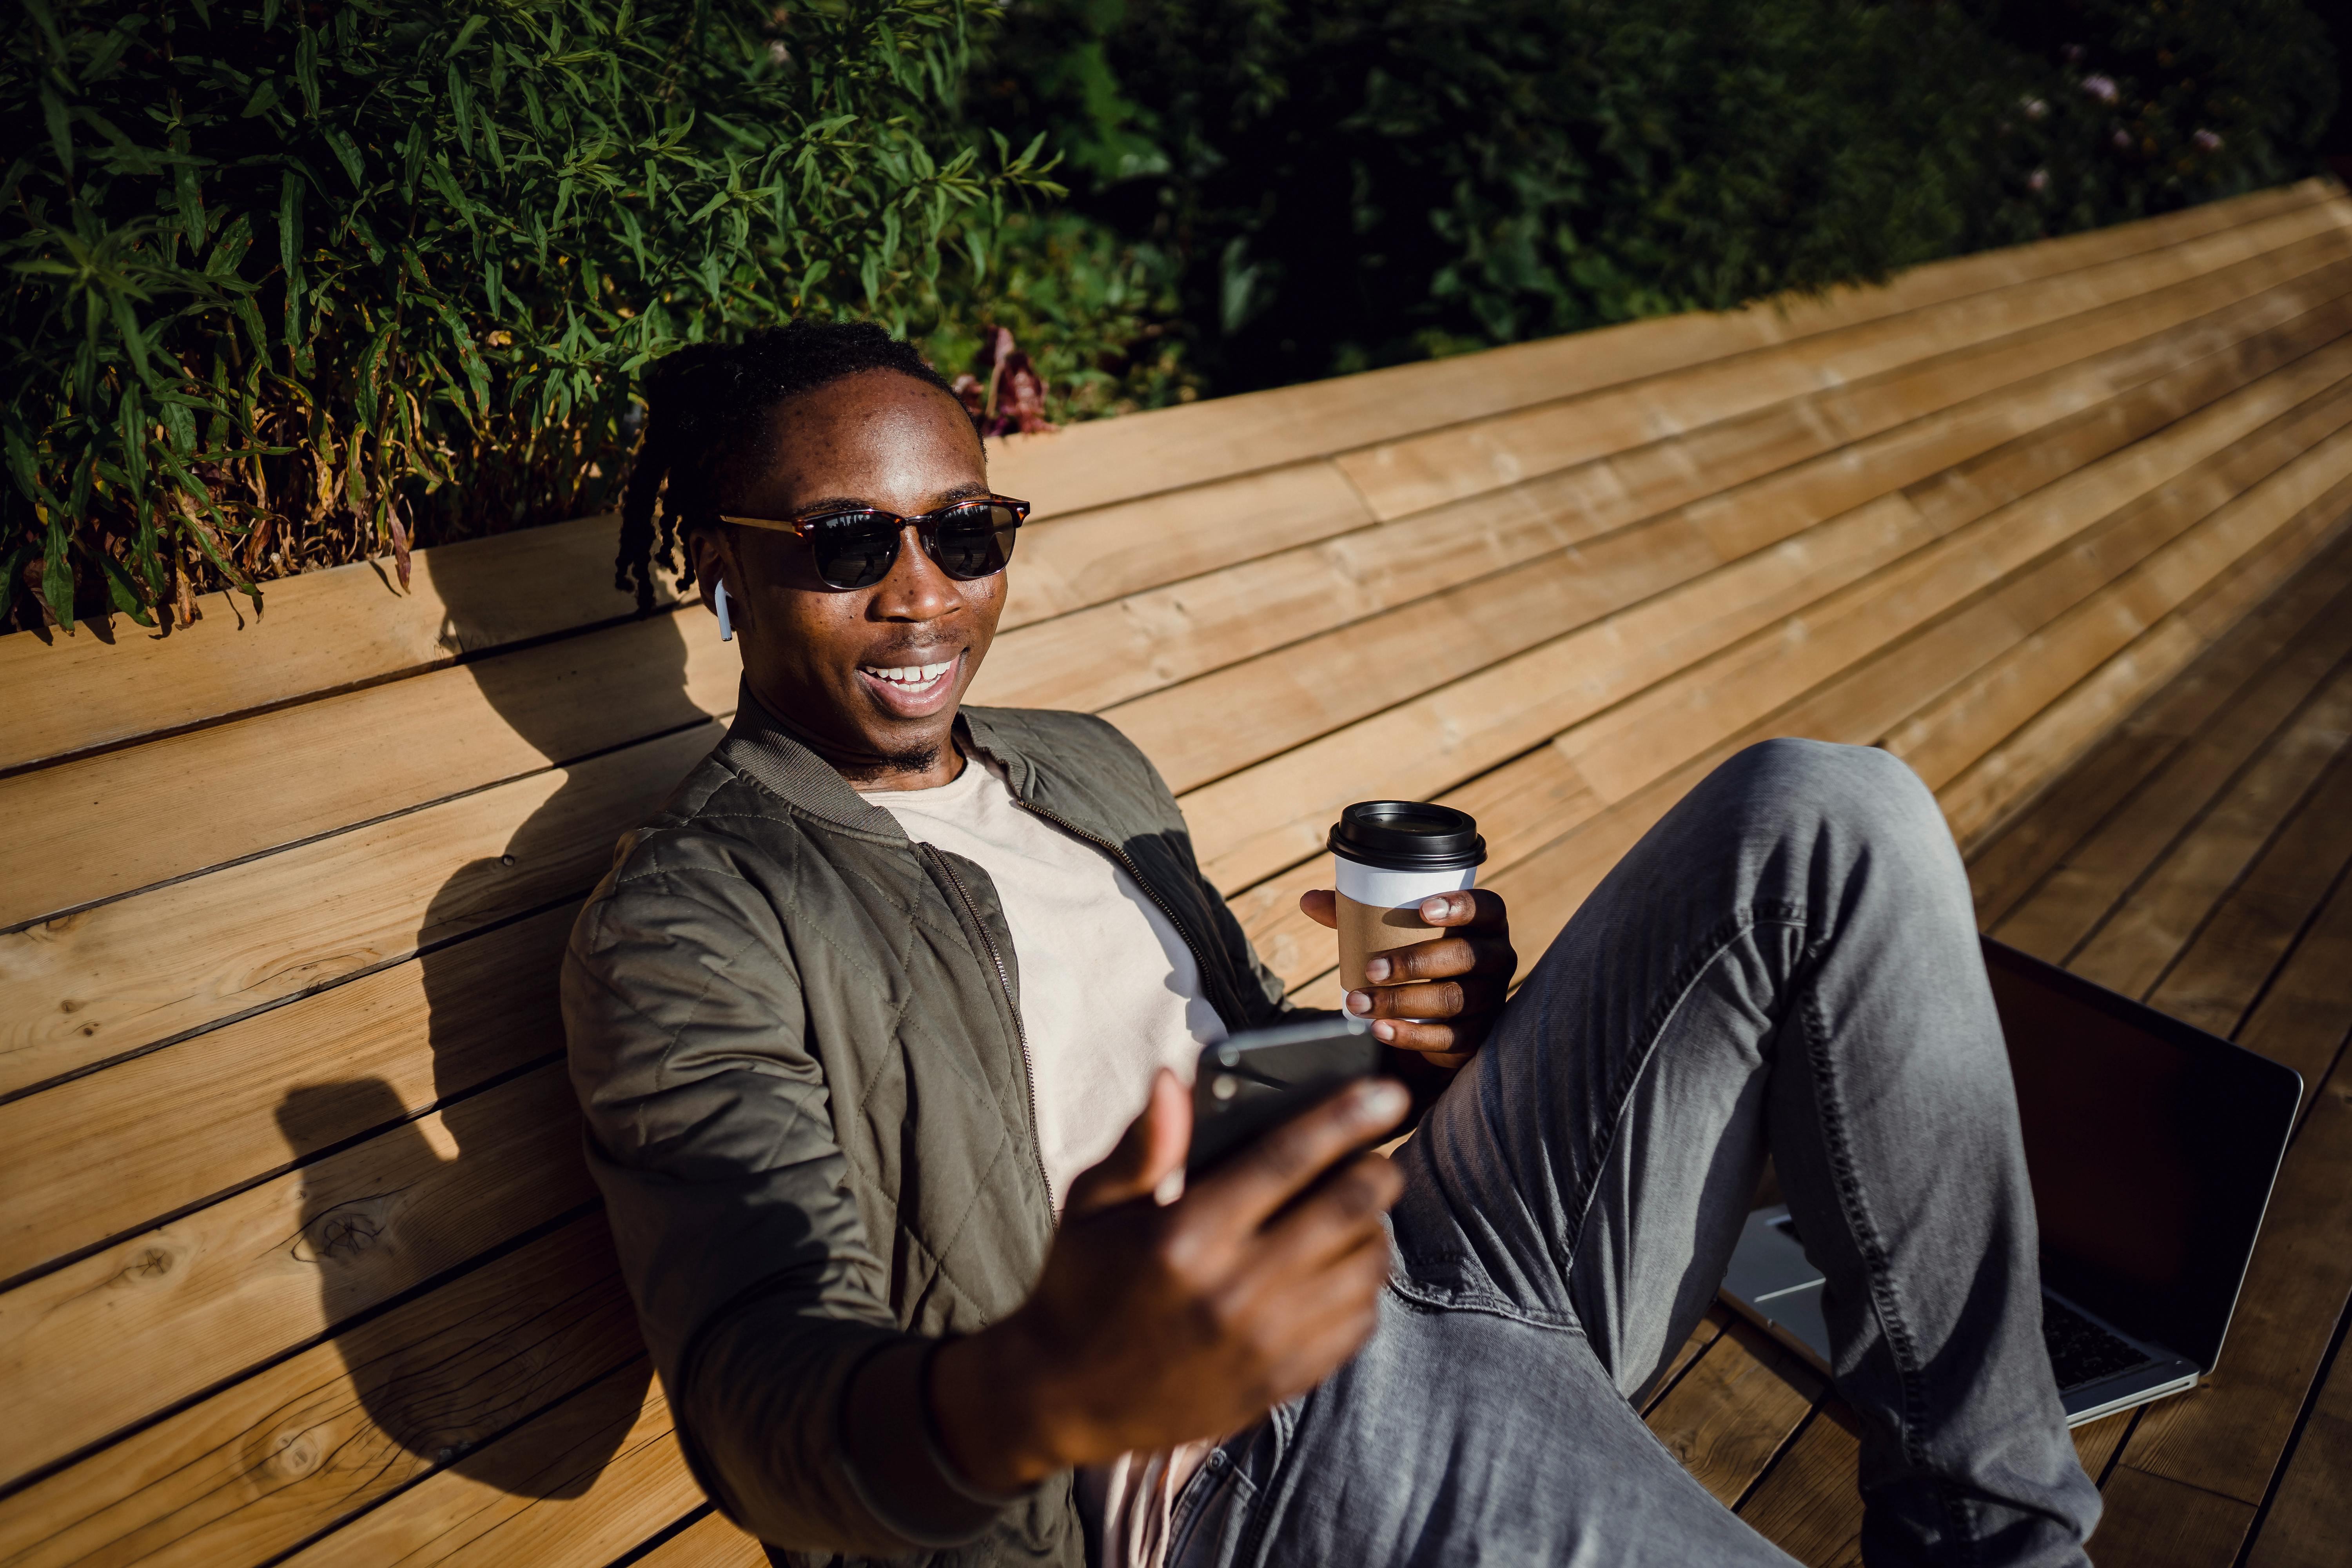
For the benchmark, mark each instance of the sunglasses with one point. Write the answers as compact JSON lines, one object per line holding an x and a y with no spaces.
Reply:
{"x":855,"y":548}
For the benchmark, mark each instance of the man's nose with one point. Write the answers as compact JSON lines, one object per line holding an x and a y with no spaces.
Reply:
{"x":916,"y":589}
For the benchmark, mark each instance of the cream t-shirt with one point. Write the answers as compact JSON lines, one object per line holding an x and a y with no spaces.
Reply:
{"x":1110,"y":994}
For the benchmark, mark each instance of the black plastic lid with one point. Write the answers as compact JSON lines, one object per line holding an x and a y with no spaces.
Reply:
{"x":1408,"y":835}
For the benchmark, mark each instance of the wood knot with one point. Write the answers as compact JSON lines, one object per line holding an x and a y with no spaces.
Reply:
{"x":343,"y":1232}
{"x":292,"y":1457}
{"x":149,"y":1264}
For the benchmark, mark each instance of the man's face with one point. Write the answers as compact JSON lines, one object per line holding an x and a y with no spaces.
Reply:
{"x":857,"y":672}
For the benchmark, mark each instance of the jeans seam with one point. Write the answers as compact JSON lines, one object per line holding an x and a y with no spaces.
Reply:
{"x":1670,"y":1001}
{"x":1902,"y":1345}
{"x":1419,"y":1298}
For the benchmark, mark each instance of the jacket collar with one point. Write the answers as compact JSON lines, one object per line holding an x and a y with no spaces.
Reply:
{"x":759,"y":743}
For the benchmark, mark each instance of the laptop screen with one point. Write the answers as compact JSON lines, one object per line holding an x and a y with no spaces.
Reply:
{"x":2151,"y":1146}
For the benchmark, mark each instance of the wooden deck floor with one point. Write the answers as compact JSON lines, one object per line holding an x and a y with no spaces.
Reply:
{"x":2200,"y":857}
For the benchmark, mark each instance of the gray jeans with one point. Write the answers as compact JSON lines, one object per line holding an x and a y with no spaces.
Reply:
{"x":1788,"y":960}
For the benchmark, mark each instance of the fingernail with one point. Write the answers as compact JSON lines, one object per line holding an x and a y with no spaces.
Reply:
{"x":1376,"y":970}
{"x":1359,"y":1003}
{"x":1384,"y":1031}
{"x":1436,"y":909}
{"x":1383,"y":1101}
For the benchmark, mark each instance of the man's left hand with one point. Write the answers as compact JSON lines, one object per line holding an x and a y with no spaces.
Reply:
{"x":1455,"y":983}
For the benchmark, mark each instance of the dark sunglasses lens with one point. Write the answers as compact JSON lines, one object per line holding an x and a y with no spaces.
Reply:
{"x":853,"y":549}
{"x":974,"y":541}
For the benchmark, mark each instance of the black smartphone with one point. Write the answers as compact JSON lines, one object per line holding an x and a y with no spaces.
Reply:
{"x":1258,"y":1079}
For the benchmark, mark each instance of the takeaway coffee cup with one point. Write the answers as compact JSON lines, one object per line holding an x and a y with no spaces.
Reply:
{"x":1387,"y":856}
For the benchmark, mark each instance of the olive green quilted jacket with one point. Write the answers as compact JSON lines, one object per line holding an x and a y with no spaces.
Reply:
{"x":797,"y":1037}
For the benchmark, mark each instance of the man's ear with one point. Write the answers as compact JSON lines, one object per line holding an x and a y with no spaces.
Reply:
{"x":712,"y":566}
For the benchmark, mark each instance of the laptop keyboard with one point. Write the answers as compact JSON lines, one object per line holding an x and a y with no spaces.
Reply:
{"x":2080,"y":1351}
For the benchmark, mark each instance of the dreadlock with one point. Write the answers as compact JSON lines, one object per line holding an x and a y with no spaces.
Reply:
{"x":702,"y":398}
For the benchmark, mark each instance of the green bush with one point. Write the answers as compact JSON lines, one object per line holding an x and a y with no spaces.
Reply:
{"x":291,"y":284}
{"x":1330,"y":184}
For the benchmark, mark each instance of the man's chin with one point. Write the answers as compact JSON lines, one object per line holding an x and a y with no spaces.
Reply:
{"x":889,"y":764}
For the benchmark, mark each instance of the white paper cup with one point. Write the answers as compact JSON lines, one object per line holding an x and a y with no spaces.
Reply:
{"x":1387,"y":857}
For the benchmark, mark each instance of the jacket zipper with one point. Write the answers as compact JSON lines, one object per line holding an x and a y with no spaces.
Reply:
{"x":1200,"y":959}
{"x":1019,"y":1030}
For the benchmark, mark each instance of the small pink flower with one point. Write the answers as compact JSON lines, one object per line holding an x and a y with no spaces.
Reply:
{"x":2102,"y":88}
{"x":2210,"y":141}
{"x":2034,"y":108}
{"x":2038,"y":181}
{"x":2123,"y":141}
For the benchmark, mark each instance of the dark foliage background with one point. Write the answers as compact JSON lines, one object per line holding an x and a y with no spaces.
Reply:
{"x":1323,"y":185}
{"x":297,"y":281}
{"x":291,"y":284}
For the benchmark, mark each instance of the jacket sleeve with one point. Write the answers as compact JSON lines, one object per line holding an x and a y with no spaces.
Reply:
{"x":798,"y":1402}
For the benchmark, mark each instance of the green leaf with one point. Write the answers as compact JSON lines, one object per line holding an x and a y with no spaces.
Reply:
{"x":306,"y":69}
{"x":122,"y":589}
{"x":57,"y":574}
{"x":53,"y":110}
{"x":290,"y":221}
{"x":228,"y":250}
{"x":347,"y":153}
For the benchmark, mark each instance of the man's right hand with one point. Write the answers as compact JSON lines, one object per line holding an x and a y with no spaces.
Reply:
{"x":1154,"y":1324}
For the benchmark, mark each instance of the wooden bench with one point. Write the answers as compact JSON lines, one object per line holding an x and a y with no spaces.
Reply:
{"x":298,"y":1262}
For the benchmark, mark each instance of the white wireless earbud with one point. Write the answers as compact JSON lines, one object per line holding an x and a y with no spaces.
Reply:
{"x":726,"y":625}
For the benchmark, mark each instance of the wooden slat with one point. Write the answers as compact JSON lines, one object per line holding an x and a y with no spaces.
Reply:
{"x":2306,"y":1010}
{"x":1638,"y":740}
{"x":2130,"y":949}
{"x":1711,"y":1324}
{"x":269,"y":1462}
{"x":100,"y":1156}
{"x":708,"y":1542}
{"x":2006,"y":778}
{"x":135,"y":1327}
{"x":2154,"y":1522}
{"x":1419,"y":472}
{"x":1066,"y":563}
{"x":1807,"y":1507}
{"x":1515,"y":704}
{"x":1118,"y":460}
{"x":147,"y":968}
{"x":2232,"y":959}
{"x":322,"y":631}
{"x":1944,"y":691}
{"x":603,"y":1473}
{"x":2136,"y":568}
{"x":1735,"y":1408}
{"x":1122,"y":650}
{"x":2234,"y":692}
{"x":223,"y":793}
{"x":2306,"y":1525}
{"x":1562,"y":816}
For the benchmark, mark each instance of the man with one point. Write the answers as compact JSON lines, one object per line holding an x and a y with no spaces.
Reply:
{"x":876,"y":1026}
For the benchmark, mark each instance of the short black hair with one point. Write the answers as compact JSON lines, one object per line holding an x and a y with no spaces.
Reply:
{"x":701,"y":398}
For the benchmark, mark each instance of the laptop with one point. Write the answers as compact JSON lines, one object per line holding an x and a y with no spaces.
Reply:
{"x":2151,"y":1146}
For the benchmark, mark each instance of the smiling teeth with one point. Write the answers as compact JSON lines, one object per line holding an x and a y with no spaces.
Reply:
{"x":912,"y":674}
